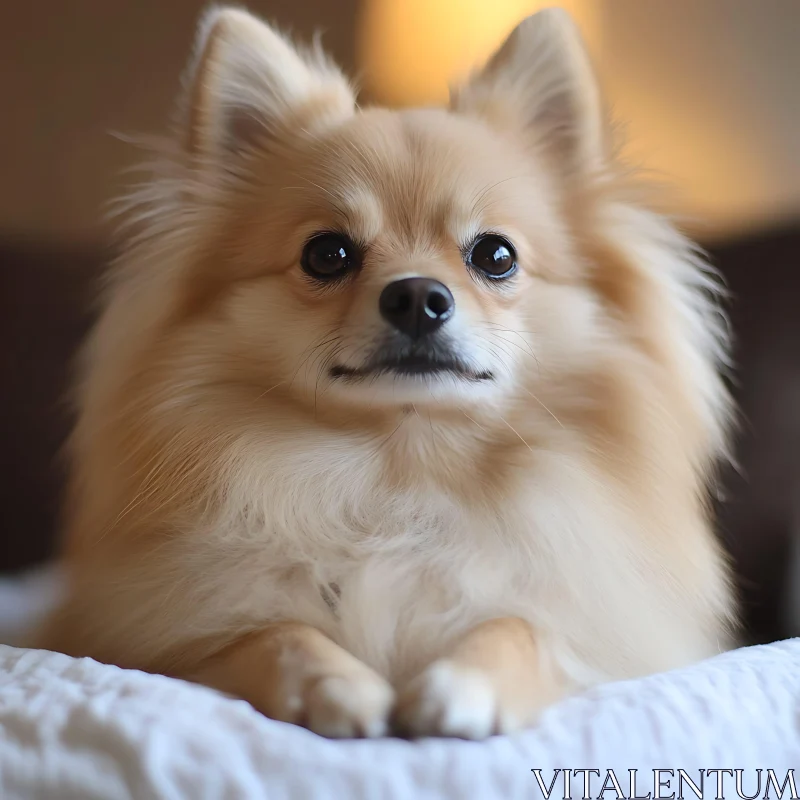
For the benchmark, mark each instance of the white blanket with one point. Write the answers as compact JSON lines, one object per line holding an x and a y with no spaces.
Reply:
{"x":78,"y":730}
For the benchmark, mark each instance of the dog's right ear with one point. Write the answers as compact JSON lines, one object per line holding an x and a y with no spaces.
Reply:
{"x":248,"y":86}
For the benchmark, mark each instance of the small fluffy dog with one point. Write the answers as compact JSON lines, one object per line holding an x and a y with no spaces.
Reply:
{"x":397,"y":420}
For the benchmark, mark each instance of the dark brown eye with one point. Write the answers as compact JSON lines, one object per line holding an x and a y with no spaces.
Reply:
{"x":494,"y":256}
{"x":329,"y":256}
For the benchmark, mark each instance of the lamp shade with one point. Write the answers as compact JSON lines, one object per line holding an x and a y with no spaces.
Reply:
{"x":412,"y":50}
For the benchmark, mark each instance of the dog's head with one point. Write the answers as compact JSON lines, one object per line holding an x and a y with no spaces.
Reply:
{"x":390,"y":257}
{"x":483,"y":260}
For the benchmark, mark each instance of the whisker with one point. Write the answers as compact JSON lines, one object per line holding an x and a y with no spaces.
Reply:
{"x":494,"y":350}
{"x":314,"y":348}
{"x":325,"y":358}
{"x":263,"y":394}
{"x":430,"y":423}
{"x":386,"y":440}
{"x":474,"y":422}
{"x":509,"y":341}
{"x":517,"y":433}
{"x":516,"y":333}
{"x":484,"y":192}
{"x":545,"y":408}
{"x":321,"y":188}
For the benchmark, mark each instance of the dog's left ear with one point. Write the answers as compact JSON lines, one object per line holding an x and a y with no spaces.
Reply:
{"x":541,"y":83}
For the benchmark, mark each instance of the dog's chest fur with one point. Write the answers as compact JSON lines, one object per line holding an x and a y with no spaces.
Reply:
{"x":393,"y":566}
{"x":318,"y":529}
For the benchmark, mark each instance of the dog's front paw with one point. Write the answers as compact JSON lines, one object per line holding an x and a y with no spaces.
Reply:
{"x":448,"y":699}
{"x":348,"y":706}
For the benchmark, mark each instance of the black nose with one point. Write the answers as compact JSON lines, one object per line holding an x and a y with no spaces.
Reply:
{"x":416,"y":306}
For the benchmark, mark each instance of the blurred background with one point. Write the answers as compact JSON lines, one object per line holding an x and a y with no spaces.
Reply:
{"x":708,"y":93}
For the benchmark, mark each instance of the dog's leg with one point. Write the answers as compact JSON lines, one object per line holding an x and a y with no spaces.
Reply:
{"x":493,"y":681}
{"x":292,"y":672}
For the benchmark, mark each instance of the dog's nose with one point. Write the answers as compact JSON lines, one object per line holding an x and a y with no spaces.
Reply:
{"x":416,"y":306}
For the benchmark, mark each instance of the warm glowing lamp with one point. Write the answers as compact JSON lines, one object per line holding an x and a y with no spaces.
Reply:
{"x":412,"y":50}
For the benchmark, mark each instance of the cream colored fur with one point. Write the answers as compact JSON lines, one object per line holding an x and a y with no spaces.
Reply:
{"x":224,"y":481}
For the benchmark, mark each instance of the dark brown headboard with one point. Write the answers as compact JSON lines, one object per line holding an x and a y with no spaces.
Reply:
{"x":46,"y":298}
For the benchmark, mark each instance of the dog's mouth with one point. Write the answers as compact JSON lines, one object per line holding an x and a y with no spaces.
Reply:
{"x":409,"y":366}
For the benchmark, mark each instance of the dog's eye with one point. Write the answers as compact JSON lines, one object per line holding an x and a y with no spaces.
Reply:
{"x":329,"y":255}
{"x":494,"y":256}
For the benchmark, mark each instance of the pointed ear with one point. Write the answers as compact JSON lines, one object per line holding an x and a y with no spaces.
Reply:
{"x":541,"y":83}
{"x":248,"y":84}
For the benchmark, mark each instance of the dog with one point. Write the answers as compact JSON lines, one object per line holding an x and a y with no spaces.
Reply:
{"x":397,"y":420}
